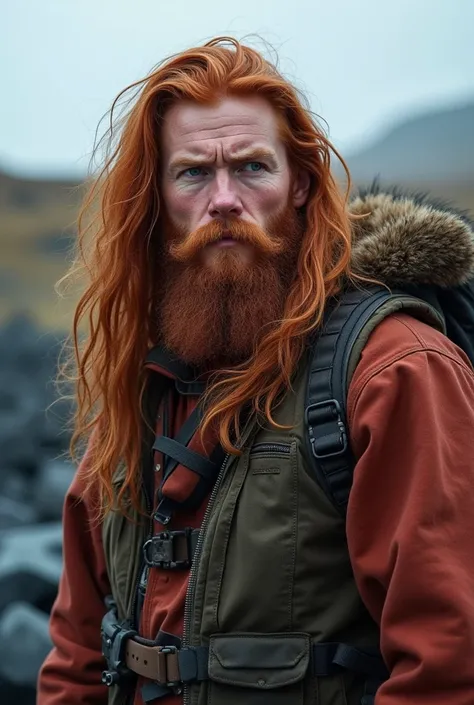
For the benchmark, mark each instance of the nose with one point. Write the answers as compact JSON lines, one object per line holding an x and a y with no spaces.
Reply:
{"x":225,"y":200}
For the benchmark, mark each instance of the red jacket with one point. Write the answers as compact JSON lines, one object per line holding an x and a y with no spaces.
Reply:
{"x":410,"y":529}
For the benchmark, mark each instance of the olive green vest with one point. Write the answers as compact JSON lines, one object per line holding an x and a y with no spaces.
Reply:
{"x":273,"y":575}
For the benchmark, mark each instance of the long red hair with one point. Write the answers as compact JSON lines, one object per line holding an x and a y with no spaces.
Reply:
{"x":116,"y":245}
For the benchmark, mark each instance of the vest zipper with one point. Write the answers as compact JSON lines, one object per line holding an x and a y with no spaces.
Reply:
{"x":284,"y":448}
{"x":141,"y":582}
{"x":193,"y":571}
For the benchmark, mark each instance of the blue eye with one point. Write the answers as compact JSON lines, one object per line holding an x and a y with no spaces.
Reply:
{"x":254,"y":167}
{"x":193,"y":171}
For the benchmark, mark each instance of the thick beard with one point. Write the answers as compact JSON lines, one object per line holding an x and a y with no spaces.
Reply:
{"x":211,"y":317}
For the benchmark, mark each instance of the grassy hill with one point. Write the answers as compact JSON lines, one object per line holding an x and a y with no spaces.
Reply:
{"x":37,"y":226}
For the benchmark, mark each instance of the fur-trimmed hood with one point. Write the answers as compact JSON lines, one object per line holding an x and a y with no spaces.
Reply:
{"x":409,"y":240}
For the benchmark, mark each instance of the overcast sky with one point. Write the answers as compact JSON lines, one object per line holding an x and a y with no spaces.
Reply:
{"x":365,"y":64}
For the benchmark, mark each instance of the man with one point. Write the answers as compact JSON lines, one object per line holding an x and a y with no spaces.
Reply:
{"x":221,"y":238}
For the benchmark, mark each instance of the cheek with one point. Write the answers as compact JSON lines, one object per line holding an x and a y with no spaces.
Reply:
{"x":269,"y":200}
{"x":181,"y":205}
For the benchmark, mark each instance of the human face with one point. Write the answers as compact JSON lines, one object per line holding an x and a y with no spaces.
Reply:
{"x":226,"y":161}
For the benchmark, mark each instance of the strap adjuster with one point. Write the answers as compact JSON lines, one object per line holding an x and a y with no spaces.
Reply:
{"x":160,"y":551}
{"x":335,"y":441}
{"x":164,"y":661}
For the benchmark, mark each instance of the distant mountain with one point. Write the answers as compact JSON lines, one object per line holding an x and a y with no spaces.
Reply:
{"x":434,"y":147}
{"x":24,"y":193}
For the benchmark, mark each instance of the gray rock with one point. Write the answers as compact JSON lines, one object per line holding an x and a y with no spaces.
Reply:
{"x":24,"y":643}
{"x":30,"y":564}
{"x":14,"y":513}
{"x":33,"y":482}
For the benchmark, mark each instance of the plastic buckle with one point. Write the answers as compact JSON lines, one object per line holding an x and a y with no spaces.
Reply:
{"x":158,"y":552}
{"x":113,"y":647}
{"x":334,"y":417}
{"x":163,"y":512}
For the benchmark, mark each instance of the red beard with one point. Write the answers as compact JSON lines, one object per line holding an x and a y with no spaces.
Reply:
{"x":212,"y":317}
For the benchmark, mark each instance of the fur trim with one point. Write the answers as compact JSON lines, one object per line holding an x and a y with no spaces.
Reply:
{"x":410,"y":240}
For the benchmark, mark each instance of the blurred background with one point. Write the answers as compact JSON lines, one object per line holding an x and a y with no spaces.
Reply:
{"x":393,"y":80}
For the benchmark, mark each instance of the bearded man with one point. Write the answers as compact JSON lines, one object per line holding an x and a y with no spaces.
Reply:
{"x":204,"y":560}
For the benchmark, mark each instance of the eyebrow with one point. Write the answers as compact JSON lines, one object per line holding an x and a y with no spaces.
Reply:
{"x":244,"y":155}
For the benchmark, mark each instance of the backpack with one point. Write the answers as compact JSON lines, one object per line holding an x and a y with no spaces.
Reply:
{"x":421,"y":251}
{"x":336,"y":350}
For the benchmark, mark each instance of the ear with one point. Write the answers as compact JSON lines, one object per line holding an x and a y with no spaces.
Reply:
{"x":300,"y":188}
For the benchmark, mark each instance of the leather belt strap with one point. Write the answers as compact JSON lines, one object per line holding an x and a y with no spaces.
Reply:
{"x":158,"y":663}
{"x":171,"y":666}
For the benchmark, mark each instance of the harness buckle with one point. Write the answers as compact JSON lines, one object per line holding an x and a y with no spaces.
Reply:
{"x":335,"y":442}
{"x":113,"y":638}
{"x":173,"y":684}
{"x":160,"y":551}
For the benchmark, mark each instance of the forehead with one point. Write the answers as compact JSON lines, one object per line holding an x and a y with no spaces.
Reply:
{"x":233,"y":122}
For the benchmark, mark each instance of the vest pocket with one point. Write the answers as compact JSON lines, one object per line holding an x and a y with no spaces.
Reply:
{"x":258,"y":669}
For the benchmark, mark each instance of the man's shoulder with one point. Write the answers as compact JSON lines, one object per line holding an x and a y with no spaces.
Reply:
{"x":398,"y":336}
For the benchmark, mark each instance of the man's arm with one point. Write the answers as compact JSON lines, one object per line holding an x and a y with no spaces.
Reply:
{"x":72,"y":671}
{"x":411,"y":521}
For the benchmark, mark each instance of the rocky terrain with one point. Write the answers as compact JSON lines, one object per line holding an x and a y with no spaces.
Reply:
{"x":34,"y":476}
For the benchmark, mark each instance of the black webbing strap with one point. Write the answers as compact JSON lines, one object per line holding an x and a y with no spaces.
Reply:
{"x":168,"y":506}
{"x":193,"y":663}
{"x":184,"y":435}
{"x":325,"y":408}
{"x":326,"y":660}
{"x":182,"y":455}
{"x":330,"y":657}
{"x":176,"y":452}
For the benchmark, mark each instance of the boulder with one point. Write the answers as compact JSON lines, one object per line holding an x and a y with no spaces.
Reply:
{"x":30,"y":565}
{"x":24,"y":643}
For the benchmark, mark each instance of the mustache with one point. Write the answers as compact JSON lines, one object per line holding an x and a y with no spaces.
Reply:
{"x":240,"y":230}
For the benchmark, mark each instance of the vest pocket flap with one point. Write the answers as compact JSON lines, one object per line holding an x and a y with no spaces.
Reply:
{"x":262,"y":661}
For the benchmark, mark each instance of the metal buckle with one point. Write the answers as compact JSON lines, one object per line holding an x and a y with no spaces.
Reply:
{"x":342,"y":446}
{"x":166,"y":650}
{"x":158,"y":552}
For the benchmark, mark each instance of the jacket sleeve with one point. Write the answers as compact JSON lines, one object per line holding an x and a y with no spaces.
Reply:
{"x":411,"y":523}
{"x":72,"y":672}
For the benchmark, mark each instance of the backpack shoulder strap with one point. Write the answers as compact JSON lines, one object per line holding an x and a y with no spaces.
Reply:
{"x":336,"y":351}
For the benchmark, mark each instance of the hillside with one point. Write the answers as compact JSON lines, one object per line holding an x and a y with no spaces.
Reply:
{"x":36,"y":231}
{"x":434,"y":147}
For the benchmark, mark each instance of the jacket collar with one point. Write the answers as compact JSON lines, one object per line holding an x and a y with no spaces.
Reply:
{"x":187,"y":379}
